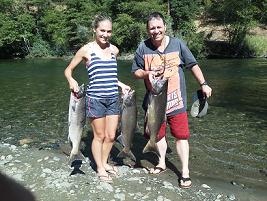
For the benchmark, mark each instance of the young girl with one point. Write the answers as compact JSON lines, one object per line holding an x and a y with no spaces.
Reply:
{"x":102,"y":100}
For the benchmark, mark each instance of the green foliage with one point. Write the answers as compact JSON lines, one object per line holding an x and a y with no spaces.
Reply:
{"x":25,"y":25}
{"x":125,"y":29}
{"x":262,"y":14}
{"x":55,"y":24}
{"x":16,"y":28}
{"x":237,"y":17}
{"x":256,"y":46}
{"x":40,"y":48}
{"x":195,"y":42}
{"x":139,"y":10}
{"x":79,"y":16}
{"x":56,"y":27}
{"x":184,"y":12}
{"x":130,"y":29}
{"x":8,"y":32}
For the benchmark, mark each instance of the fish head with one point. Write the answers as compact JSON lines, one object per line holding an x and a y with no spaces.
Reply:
{"x":158,"y":85}
{"x":129,"y":97}
{"x":80,"y":93}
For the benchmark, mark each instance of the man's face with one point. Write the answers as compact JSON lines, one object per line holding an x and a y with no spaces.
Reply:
{"x":156,"y":29}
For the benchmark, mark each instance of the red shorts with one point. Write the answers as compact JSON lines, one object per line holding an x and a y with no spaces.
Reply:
{"x":178,"y":127}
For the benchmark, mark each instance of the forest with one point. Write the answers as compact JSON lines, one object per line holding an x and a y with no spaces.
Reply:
{"x":55,"y":28}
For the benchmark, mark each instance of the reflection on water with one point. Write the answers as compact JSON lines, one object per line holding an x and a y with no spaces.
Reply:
{"x":231,"y":138}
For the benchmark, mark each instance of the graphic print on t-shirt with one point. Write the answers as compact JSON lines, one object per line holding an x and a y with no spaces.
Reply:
{"x":167,"y":63}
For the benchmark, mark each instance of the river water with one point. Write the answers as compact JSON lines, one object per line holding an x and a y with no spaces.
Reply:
{"x":230,"y":141}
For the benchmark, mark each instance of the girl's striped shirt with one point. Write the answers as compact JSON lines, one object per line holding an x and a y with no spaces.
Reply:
{"x":103,"y":77}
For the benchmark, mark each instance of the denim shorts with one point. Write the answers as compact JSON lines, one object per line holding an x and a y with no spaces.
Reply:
{"x":96,"y":108}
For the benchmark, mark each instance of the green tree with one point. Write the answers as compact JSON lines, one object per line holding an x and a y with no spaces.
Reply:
{"x":184,"y":13}
{"x":238,"y":17}
{"x":129,"y":29}
{"x":16,"y":29}
{"x":79,"y":15}
{"x":125,"y":29}
{"x":55,"y":24}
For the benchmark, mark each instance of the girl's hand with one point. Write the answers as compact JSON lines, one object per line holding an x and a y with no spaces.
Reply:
{"x":73,"y":84}
{"x":124,"y":88}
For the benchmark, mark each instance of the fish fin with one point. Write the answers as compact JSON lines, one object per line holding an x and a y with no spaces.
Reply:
{"x":120,"y":140}
{"x":77,"y":171}
{"x":151,"y":147}
{"x":125,"y":154}
{"x":75,"y":157}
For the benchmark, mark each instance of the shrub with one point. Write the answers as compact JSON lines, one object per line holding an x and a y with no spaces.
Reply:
{"x":256,"y":45}
{"x":40,"y":48}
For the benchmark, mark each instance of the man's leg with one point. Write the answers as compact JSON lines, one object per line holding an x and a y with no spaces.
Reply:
{"x":161,"y":166}
{"x":182,"y":147}
{"x":180,"y":130}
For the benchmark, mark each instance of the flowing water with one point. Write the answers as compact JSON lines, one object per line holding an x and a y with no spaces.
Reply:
{"x":230,"y":141}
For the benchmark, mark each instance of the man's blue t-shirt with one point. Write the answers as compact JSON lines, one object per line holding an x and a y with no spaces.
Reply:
{"x":175,"y":56}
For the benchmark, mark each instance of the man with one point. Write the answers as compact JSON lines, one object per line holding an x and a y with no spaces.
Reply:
{"x":162,"y":55}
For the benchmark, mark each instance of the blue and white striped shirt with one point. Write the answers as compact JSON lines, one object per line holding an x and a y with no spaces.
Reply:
{"x":103,"y":77}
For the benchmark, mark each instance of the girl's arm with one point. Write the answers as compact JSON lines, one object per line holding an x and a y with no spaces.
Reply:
{"x":73,"y":84}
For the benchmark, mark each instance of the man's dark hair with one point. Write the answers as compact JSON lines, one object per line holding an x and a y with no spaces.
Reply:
{"x":155,"y":15}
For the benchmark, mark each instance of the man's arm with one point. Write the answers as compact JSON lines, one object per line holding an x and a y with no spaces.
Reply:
{"x":201,"y":80}
{"x":141,"y":74}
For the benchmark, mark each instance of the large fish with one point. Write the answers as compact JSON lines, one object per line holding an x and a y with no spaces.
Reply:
{"x":128,"y":124}
{"x":77,"y":121}
{"x":156,"y":113}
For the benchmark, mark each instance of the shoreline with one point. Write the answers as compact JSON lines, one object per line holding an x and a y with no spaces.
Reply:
{"x":46,"y":174}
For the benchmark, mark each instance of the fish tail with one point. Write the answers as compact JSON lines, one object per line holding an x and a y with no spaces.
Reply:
{"x":151,"y":147}
{"x":75,"y":157}
{"x":120,"y":140}
{"x":126,"y":154}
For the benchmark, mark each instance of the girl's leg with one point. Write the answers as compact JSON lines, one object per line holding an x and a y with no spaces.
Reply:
{"x":98,"y":126}
{"x":110,"y":133}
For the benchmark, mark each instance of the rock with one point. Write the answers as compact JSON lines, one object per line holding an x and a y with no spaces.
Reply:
{"x":104,"y":186}
{"x":148,"y":188}
{"x":205,"y":186}
{"x":47,"y":171}
{"x":9,"y":157}
{"x":168,"y":185}
{"x":8,"y":127}
{"x":56,"y":159}
{"x":231,"y":197}
{"x":25,"y":141}
{"x":120,"y":196}
{"x":13,"y":147}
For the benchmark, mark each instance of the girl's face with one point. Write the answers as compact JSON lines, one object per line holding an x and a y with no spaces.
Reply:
{"x":156,"y":29}
{"x":103,"y":31}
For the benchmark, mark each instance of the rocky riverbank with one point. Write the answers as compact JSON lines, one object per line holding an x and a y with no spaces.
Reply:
{"x":46,"y":174}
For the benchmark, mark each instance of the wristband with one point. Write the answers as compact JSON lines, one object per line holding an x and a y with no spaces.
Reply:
{"x":204,"y":83}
